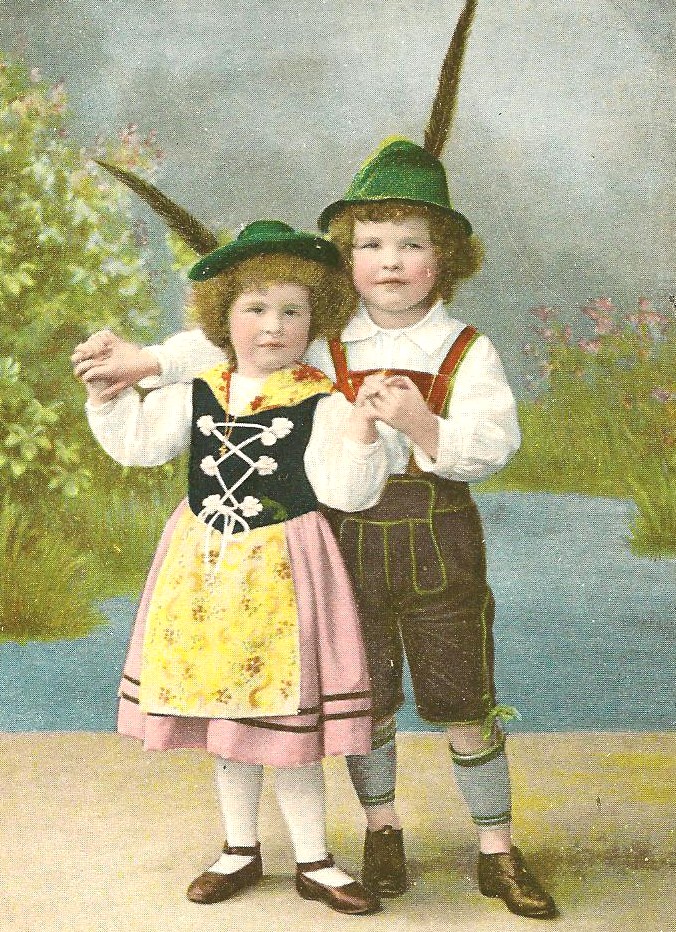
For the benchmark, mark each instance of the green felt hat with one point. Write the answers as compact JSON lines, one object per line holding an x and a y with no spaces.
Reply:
{"x":399,"y":170}
{"x":263,"y":237}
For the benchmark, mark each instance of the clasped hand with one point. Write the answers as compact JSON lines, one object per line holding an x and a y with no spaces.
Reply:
{"x":397,"y":402}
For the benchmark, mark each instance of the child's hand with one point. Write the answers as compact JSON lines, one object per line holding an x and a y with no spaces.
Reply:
{"x":398,"y":402}
{"x":361,"y":426}
{"x":98,"y":391}
{"x":114,"y":363}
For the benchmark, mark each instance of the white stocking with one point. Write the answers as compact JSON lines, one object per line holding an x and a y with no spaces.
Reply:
{"x":300,"y":793}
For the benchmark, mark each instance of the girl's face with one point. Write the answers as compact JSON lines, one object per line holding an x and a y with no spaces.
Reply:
{"x":394,"y":269}
{"x":269,"y":327}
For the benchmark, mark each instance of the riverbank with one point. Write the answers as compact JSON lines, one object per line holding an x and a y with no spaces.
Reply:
{"x":101,"y":836}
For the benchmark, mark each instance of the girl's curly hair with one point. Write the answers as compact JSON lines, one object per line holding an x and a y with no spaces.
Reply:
{"x":459,"y":256}
{"x":332,"y":297}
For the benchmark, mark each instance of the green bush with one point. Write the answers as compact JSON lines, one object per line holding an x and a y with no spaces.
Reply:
{"x":70,"y":263}
{"x":72,"y":260}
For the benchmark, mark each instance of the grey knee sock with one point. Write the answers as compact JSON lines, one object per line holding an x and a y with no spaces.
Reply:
{"x":374,"y":775}
{"x":483,"y":780}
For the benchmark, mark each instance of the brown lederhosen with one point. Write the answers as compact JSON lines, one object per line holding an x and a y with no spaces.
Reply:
{"x":418,"y":566}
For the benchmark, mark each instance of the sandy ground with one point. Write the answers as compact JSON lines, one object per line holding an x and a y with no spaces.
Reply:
{"x":99,"y":835}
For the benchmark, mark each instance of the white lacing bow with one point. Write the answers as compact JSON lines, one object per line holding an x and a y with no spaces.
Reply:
{"x":234,"y":511}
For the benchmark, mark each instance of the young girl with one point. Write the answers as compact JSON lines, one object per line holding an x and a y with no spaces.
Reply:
{"x":247,"y":641}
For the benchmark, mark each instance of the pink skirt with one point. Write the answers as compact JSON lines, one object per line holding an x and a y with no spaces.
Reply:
{"x":334,"y":717}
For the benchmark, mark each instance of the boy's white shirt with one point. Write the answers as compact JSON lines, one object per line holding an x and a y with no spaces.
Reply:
{"x":481,"y":430}
{"x":344,"y":474}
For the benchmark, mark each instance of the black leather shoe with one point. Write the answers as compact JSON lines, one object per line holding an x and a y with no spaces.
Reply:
{"x":352,"y":899}
{"x":384,"y":868}
{"x":506,"y":876}
{"x":212,"y":887}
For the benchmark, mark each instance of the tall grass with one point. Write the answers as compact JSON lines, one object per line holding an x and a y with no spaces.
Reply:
{"x":653,"y":528}
{"x":45,"y":590}
{"x":120,"y":530}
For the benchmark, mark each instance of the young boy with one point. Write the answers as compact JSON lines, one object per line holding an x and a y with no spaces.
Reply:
{"x":417,"y":558}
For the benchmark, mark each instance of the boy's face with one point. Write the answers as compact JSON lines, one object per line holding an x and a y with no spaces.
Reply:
{"x":394,"y":269}
{"x":269,"y":327}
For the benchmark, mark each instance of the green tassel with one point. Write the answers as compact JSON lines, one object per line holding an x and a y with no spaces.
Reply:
{"x":504,"y":713}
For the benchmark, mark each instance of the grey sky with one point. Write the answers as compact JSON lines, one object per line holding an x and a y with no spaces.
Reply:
{"x":562,"y":153}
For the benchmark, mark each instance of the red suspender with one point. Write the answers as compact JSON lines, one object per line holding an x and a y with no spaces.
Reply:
{"x":342,"y":374}
{"x":439,"y":390}
{"x":439,"y":383}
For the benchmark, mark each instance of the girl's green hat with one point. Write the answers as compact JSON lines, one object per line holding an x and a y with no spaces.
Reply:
{"x":263,"y":237}
{"x":399,"y":170}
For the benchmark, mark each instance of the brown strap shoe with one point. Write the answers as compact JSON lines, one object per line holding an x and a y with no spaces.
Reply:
{"x":212,"y":887}
{"x":352,"y":899}
{"x":384,"y":868}
{"x":507,"y":877}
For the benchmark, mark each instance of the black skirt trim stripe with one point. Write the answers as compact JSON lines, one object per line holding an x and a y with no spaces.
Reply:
{"x":339,"y":697}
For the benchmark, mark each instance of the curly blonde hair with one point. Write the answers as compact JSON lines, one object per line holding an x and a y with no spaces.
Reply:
{"x":459,"y":256}
{"x":333,"y":300}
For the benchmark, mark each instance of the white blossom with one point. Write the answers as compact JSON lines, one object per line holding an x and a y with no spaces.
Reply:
{"x":250,"y":506}
{"x":211,"y":504}
{"x":265,"y":465}
{"x":208,"y":466}
{"x":268,"y":437}
{"x":281,"y":426}
{"x":206,"y":424}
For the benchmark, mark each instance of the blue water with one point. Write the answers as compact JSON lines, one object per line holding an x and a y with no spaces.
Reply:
{"x":583,"y":631}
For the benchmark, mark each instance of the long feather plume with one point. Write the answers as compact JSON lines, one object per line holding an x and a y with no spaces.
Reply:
{"x":194,"y":233}
{"x":443,"y":107}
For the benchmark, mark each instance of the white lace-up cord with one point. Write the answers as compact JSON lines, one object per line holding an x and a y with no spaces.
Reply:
{"x":234,"y":511}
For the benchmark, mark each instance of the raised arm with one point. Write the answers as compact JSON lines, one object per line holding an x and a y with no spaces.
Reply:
{"x":105,"y":357}
{"x":143,"y":432}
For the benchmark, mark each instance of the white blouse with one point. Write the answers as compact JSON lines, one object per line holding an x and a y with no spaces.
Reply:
{"x":344,"y":474}
{"x":480,"y":432}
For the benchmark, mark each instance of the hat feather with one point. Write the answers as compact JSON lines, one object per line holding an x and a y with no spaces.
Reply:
{"x":194,"y":233}
{"x":444,"y":104}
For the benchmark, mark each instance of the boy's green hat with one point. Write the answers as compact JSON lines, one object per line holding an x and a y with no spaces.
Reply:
{"x":399,"y":170}
{"x":263,"y":237}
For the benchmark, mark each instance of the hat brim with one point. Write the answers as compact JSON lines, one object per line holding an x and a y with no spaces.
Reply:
{"x":314,"y":248}
{"x":332,"y":211}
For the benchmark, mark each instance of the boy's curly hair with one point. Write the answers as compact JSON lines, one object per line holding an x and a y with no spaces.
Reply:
{"x":459,"y":256}
{"x":332,"y":298}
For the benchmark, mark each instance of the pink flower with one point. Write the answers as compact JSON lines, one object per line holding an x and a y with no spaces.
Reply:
{"x":543,"y":313}
{"x":546,"y":333}
{"x":603,"y":304}
{"x":644,"y":304}
{"x":663,"y":395}
{"x":589,"y":346}
{"x":604,"y":325}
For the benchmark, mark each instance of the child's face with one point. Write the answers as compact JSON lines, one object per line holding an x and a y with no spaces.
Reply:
{"x":394,"y":267}
{"x":269,"y":327}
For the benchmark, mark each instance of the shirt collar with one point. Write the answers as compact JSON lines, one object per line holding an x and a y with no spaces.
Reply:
{"x":427,"y":334}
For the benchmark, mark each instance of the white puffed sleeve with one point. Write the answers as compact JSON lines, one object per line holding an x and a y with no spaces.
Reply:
{"x":182,"y":357}
{"x":144,"y":432}
{"x":344,"y":474}
{"x":481,"y":432}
